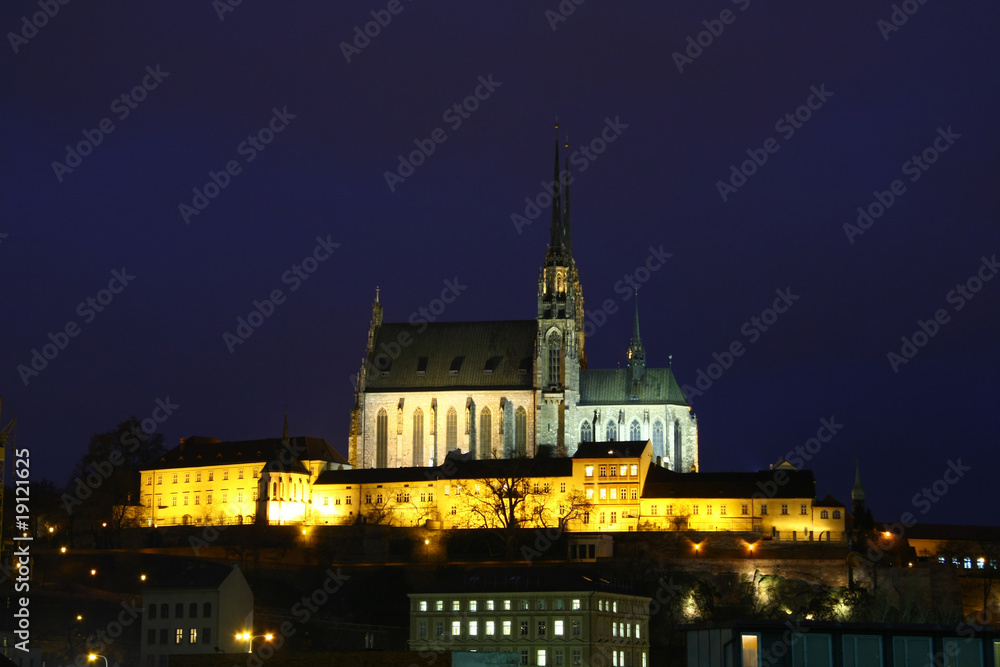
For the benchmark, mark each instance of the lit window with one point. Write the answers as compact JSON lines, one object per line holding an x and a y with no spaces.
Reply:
{"x":557,"y":628}
{"x":588,"y":471}
{"x":473,"y":628}
{"x":179,"y":636}
{"x":472,"y":605}
{"x":614,"y":494}
{"x":506,"y":628}
{"x":490,"y":628}
{"x":456,"y":628}
{"x":604,"y":494}
{"x":751,"y":656}
{"x":439,"y":605}
{"x":423,"y":605}
{"x":524,"y":605}
{"x":634,"y":470}
{"x":193,"y":636}
{"x":590,"y":494}
{"x":540,"y":658}
{"x":489,"y":605}
{"x":576,"y":604}
{"x":456,"y":605}
{"x":506,"y":605}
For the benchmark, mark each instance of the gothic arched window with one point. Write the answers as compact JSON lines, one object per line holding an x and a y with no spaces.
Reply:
{"x":520,"y":432}
{"x":657,"y":438}
{"x":381,"y":439}
{"x":418,"y":437}
{"x":635,"y":431}
{"x":586,"y":432}
{"x":555,"y":359}
{"x":451,"y":430}
{"x":612,"y":431}
{"x":485,"y":434}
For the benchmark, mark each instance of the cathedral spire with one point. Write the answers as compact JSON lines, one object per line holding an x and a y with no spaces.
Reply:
{"x":568,"y":233}
{"x":858,"y":492}
{"x":558,"y":231}
{"x":636,"y":352}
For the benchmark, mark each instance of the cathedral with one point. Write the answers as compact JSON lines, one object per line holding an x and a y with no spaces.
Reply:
{"x":519,"y":388}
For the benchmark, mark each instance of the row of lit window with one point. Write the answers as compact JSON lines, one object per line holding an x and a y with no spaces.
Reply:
{"x":624,"y":470}
{"x":966,"y":562}
{"x":164,"y":609}
{"x":192,"y":634}
{"x":744,"y":510}
{"x":185,"y":498}
{"x":558,"y":657}
{"x":624,"y":493}
{"x":197,"y":477}
{"x":473,"y":606}
{"x":489,"y":627}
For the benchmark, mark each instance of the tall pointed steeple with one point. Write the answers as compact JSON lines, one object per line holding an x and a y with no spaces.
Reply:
{"x":858,"y":492}
{"x":567,"y":229}
{"x":636,"y":352}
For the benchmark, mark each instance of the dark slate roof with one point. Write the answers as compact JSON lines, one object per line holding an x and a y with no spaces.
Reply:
{"x":829,"y":501}
{"x":196,"y":575}
{"x":201,"y":451}
{"x":940,"y":531}
{"x":613,"y":386}
{"x":610,"y":450}
{"x":536,"y":579}
{"x":454,"y":355}
{"x":539,"y":467}
{"x":663,"y":483}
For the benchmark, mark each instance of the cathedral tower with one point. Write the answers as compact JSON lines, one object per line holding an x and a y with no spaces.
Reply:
{"x":559,"y":353}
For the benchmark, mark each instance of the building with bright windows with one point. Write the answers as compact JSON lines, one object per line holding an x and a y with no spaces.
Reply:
{"x":827,"y":644}
{"x":199,"y":610}
{"x":551,"y":621}
{"x":207,"y":481}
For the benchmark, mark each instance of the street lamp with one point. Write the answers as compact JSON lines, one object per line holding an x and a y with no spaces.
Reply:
{"x":249,"y":638}
{"x":93,"y":656}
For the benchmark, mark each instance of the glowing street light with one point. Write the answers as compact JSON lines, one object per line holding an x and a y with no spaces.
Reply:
{"x":93,"y":572}
{"x":62,"y":550}
{"x":249,"y":638}
{"x":94,"y":656}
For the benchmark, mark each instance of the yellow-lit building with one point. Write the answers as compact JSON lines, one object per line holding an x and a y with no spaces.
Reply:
{"x":603,"y":487}
{"x":207,"y":481}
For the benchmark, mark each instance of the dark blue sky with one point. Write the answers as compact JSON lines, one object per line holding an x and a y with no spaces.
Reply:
{"x":884,"y":96}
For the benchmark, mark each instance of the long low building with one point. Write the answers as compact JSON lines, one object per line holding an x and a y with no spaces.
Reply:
{"x":603,"y":487}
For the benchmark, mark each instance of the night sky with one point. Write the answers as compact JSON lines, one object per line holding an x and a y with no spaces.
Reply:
{"x":307,"y":122}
